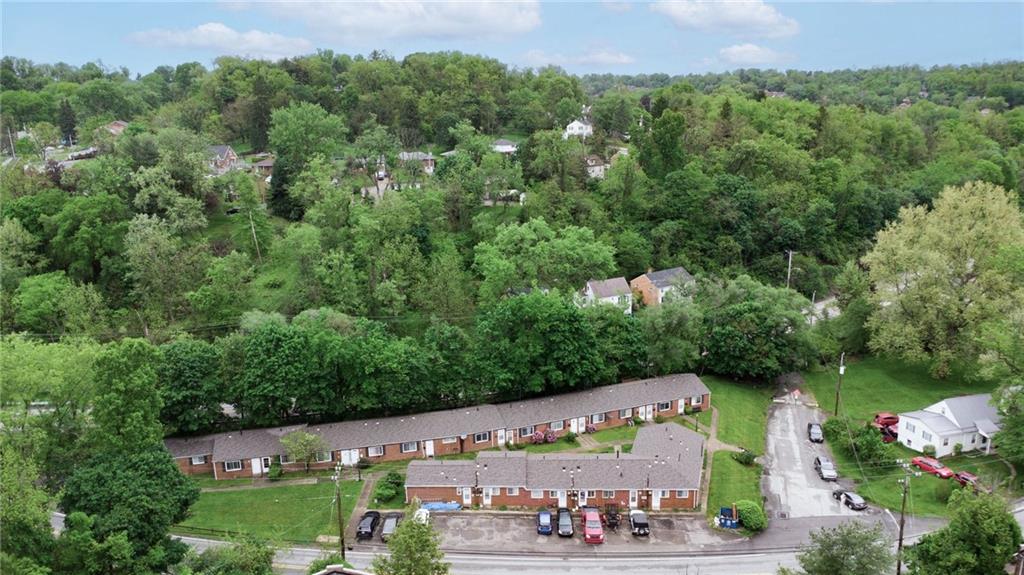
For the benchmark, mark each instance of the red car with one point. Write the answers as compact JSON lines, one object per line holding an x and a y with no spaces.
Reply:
{"x":886,"y":419}
{"x":592,"y":530}
{"x":889,"y":432}
{"x":933,"y":466}
{"x":965,"y":478}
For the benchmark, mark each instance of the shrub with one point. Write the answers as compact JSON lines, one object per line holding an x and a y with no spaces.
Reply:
{"x":538,"y":437}
{"x":745,"y":457}
{"x":836,"y":431}
{"x":275,"y":473}
{"x":928,"y":450}
{"x":943,"y":491}
{"x":384,"y":492}
{"x":751,"y":515}
{"x":503,"y":508}
{"x":515,"y":446}
{"x":591,"y":428}
{"x":637,"y":420}
{"x":570,"y":437}
{"x":394,"y":479}
{"x":550,"y":437}
{"x":659,"y":419}
{"x":363,"y":463}
{"x":318,"y":565}
{"x":870,"y":447}
{"x":958,"y":449}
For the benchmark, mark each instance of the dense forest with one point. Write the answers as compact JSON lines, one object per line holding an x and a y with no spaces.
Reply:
{"x":144,"y":288}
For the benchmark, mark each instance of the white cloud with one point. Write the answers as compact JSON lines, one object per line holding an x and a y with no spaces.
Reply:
{"x":597,"y":57}
{"x":447,"y":19}
{"x":225,"y":40}
{"x":617,"y":7}
{"x":749,"y":55}
{"x":746,"y":18}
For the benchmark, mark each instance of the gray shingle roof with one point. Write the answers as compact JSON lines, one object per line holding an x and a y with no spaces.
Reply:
{"x":220,"y":151}
{"x":248,"y":443}
{"x":601,"y":399}
{"x":420,"y":426}
{"x":407,"y":156}
{"x":609,"y":287}
{"x":936,"y":422}
{"x":968,"y":409}
{"x":666,"y":278}
{"x":189,"y":446}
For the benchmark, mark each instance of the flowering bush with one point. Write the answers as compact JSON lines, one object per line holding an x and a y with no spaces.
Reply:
{"x":551,"y":437}
{"x":538,"y":437}
{"x":591,"y":428}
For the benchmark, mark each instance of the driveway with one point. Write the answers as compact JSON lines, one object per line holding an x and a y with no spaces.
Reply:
{"x":790,"y":484}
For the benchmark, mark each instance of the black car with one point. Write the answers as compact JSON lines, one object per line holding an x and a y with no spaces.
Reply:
{"x":814,"y":433}
{"x":544,"y":522}
{"x":565,"y":523}
{"x":638,"y":523}
{"x":850,"y":499}
{"x":367,"y":525}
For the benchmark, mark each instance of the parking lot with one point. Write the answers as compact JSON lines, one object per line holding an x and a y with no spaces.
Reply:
{"x":790,"y":484}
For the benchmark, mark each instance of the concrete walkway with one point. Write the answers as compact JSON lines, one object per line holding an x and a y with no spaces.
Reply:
{"x":587,"y":442}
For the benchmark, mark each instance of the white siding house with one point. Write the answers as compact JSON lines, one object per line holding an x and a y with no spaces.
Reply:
{"x":503,"y":146}
{"x":970,"y":421}
{"x":613,"y":291}
{"x":579,"y":128}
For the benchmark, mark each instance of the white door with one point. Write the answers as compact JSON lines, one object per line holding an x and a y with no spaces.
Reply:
{"x":574,"y":426}
{"x":583,"y":497}
{"x":681,"y":406}
{"x":501,"y":438}
{"x":562,"y":500}
{"x":266,"y":464}
{"x":257,"y":466}
{"x":655,"y":500}
{"x":632,"y":498}
{"x":467,"y":496}
{"x":349,"y":456}
{"x":649,"y":413}
{"x":428,"y":448}
{"x":582,"y":423}
{"x":487,"y":496}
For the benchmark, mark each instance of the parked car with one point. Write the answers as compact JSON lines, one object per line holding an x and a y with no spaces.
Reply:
{"x":593,"y":531}
{"x":814,"y":433}
{"x":382,"y":175}
{"x":367,"y":525}
{"x":825,"y":468}
{"x":885,"y":418}
{"x":565,"y":523}
{"x":889,"y":432}
{"x":391,"y":521}
{"x":544,"y":522}
{"x":850,"y":499}
{"x":638,"y":524}
{"x":421,"y":516}
{"x":933,"y":466}
{"x":965,"y":478}
{"x":612,"y":516}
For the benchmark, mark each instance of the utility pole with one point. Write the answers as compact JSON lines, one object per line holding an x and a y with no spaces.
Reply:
{"x":341,"y":517}
{"x":903,"y":510}
{"x":839,"y":384}
{"x":789,"y":268}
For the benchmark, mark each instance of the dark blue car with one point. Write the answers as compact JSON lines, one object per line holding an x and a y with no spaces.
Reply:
{"x":544,"y":523}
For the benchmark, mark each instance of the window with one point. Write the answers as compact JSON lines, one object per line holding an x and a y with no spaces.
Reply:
{"x":375,"y":451}
{"x":927,"y":436}
{"x":449,"y":440}
{"x":552,"y":493}
{"x":526,"y":431}
{"x":910,"y":427}
{"x":284,"y":459}
{"x":608,"y":494}
{"x":945,"y":441}
{"x":323,"y":456}
{"x":665,"y":406}
{"x":664,"y":494}
{"x":973,"y":439}
{"x":536,"y":494}
{"x":482,"y":437}
{"x":597,"y":418}
{"x":626,"y":413}
{"x":233,"y":465}
{"x":512,"y":491}
{"x":557,"y":425}
{"x":409,"y":447}
{"x":591,"y":494}
{"x":984,"y":440}
{"x":682,"y":493}
{"x":198,"y":459}
{"x":697,"y":399}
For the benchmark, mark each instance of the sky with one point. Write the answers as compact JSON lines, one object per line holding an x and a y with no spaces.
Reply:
{"x":672,"y":37}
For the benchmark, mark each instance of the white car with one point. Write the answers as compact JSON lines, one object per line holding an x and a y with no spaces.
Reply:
{"x":421,"y":516}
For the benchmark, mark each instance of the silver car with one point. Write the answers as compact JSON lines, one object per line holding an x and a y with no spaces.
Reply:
{"x":390,"y":524}
{"x":826,"y":469}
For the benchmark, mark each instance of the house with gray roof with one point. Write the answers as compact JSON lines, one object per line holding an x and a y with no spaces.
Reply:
{"x":426,"y":159}
{"x":662,"y":472}
{"x":222,"y":159}
{"x":653,"y":286}
{"x":969,"y":420}
{"x":614,"y":291}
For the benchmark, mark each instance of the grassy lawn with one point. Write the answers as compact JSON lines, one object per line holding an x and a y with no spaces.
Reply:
{"x":626,"y":448}
{"x":616,"y":434}
{"x":742,"y":411}
{"x":731,"y":482}
{"x":208,"y":482}
{"x":874,"y":384}
{"x":560,"y":445}
{"x":285,"y":513}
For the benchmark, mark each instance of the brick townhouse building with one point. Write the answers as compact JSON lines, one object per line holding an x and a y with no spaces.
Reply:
{"x":662,"y":472}
{"x":251,"y":452}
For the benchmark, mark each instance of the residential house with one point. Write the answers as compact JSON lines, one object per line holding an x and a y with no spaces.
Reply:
{"x":425,"y":158}
{"x":970,"y":421}
{"x":581,"y":128}
{"x":503,"y":146}
{"x":613,"y":291}
{"x":654,"y":286}
{"x":596,"y":166}
{"x":662,"y":472}
{"x":116,"y":127}
{"x":264,"y":167}
{"x":222,"y":159}
{"x":252,"y":452}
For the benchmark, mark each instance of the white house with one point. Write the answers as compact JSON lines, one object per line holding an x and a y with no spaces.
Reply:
{"x":503,"y":146}
{"x":613,"y":291}
{"x":596,"y":166}
{"x":969,"y":420}
{"x":581,"y":128}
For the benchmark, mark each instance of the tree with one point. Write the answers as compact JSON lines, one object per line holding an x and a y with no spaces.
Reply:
{"x":980,"y":539}
{"x":19,"y":250}
{"x":160,"y":267}
{"x":302,"y":131}
{"x":375,"y":145}
{"x":127,"y":409}
{"x":136,"y":494}
{"x":303,"y":447}
{"x":852,"y":548}
{"x":621,"y":342}
{"x":189,"y":385}
{"x":415,"y":549}
{"x":935,"y":276}
{"x":37,"y":303}
{"x":67,"y":121}
{"x":86,"y":236}
{"x":248,"y":555}
{"x":672,"y":335}
{"x":224,"y":293}
{"x":25,"y":529}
